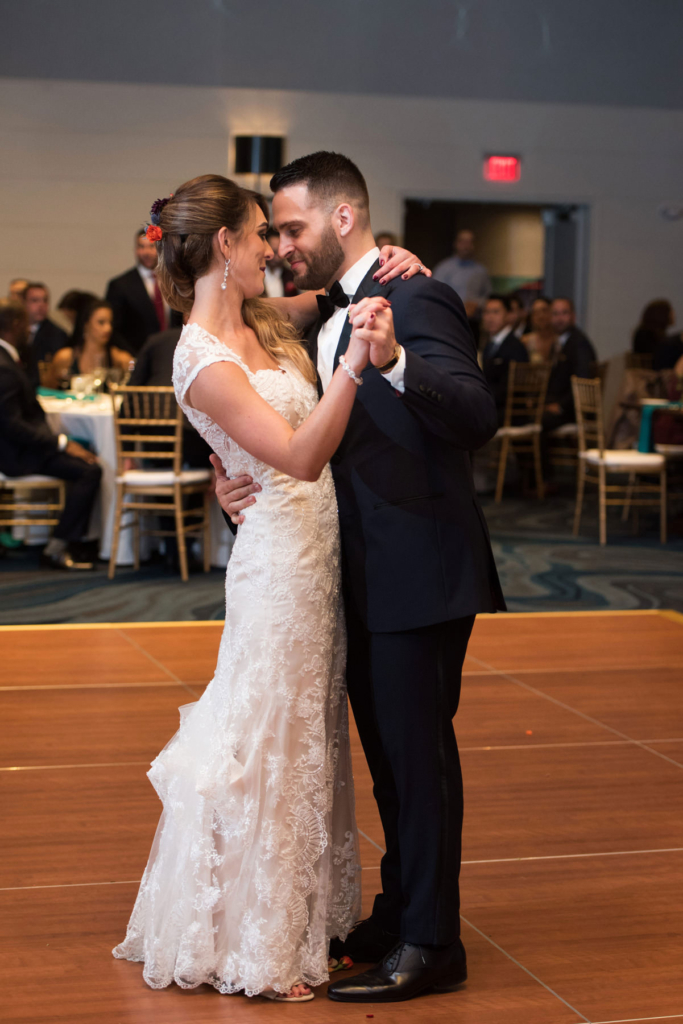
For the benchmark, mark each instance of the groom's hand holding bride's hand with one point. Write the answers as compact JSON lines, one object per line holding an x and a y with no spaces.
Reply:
{"x":373,"y":322}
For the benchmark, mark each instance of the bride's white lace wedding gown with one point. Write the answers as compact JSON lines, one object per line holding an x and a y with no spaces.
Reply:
{"x":254,"y":864}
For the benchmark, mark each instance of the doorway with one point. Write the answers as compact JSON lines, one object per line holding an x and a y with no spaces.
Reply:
{"x":531,"y":248}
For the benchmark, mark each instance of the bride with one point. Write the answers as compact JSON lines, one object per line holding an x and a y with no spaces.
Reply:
{"x":254,"y":865}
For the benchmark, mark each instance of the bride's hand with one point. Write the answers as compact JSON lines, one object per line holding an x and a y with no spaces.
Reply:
{"x":364,"y":317}
{"x":395,"y":261}
{"x":373,"y":323}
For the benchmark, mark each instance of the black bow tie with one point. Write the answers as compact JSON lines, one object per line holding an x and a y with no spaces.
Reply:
{"x":330,"y":303}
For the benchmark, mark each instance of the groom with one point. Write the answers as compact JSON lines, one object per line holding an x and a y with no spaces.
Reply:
{"x":417,"y":562}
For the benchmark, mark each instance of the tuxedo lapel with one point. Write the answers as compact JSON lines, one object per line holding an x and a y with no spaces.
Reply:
{"x":366,"y":288}
{"x":311,"y":343}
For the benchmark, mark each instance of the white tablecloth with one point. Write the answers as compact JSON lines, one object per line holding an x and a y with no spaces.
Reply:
{"x":93,"y":421}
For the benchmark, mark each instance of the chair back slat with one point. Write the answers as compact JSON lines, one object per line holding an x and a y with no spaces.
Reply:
{"x":155,"y":408}
{"x":527,"y":386}
{"x":589,"y":418}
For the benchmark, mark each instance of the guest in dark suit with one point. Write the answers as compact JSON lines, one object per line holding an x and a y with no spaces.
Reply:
{"x":44,"y":338}
{"x":279,"y":279}
{"x":27,"y":445}
{"x":574,"y":356}
{"x":502,"y":348}
{"x":154,"y":368}
{"x":137,"y":302}
{"x":417,"y":562}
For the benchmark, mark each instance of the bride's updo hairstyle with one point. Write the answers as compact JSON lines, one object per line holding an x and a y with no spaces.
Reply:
{"x":189,"y":220}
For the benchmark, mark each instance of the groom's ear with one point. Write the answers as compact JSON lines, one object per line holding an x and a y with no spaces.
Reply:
{"x":345,"y":216}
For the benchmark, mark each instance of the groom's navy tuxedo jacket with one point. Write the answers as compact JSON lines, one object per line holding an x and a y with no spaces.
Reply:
{"x":416,"y":548}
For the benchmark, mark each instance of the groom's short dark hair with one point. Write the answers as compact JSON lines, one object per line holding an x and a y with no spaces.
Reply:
{"x":328,"y":176}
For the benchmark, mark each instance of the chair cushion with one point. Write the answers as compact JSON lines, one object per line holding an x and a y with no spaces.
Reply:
{"x":163,"y":477}
{"x":526,"y":430}
{"x":566,"y":430}
{"x":629,"y":459}
{"x":33,"y":480}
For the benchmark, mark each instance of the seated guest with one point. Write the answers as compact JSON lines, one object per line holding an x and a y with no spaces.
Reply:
{"x":27,"y":445}
{"x":154,"y":368}
{"x":503,"y":347}
{"x":517,"y":315}
{"x":667,"y":428}
{"x":136,"y":299}
{"x":17,"y":287}
{"x":90,"y":347}
{"x":540,"y":337}
{"x":575,"y":356}
{"x":45,"y":338}
{"x":71,"y":303}
{"x":279,"y":279}
{"x":655,"y":321}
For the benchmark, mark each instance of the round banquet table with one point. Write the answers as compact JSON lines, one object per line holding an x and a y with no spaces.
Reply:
{"x":92,"y":420}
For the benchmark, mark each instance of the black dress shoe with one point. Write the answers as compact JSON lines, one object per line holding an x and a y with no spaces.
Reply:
{"x":64,"y":561}
{"x":367,"y":943}
{"x":407,"y":971}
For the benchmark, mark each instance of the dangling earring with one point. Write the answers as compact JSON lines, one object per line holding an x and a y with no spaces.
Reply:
{"x":225,"y":275}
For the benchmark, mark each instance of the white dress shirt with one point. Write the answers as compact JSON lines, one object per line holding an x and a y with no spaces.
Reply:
{"x":498,"y":338}
{"x":330,"y":332}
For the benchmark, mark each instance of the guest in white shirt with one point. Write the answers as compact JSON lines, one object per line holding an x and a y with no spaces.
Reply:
{"x":136,"y":299}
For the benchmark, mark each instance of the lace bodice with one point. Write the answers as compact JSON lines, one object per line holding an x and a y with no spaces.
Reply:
{"x":284,"y":389}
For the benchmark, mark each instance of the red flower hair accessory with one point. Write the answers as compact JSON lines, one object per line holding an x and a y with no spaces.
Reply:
{"x":153,"y":233}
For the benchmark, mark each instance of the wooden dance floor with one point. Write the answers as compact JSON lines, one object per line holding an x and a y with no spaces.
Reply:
{"x":571,"y":735}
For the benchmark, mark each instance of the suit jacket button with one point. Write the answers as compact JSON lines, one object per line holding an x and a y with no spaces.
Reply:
{"x":422,"y":388}
{"x":439,"y":397}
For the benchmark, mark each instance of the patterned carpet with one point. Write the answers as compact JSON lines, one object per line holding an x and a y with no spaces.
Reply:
{"x":542,"y":567}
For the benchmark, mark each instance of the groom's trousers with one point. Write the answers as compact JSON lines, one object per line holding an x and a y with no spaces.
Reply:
{"x":404,"y":690}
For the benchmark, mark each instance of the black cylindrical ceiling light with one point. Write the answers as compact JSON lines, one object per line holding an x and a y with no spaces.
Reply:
{"x":258,"y":154}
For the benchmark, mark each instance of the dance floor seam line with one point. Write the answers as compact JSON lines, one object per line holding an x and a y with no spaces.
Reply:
{"x":155,"y":661}
{"x":578,"y":743}
{"x":56,"y":767}
{"x":638,"y":1020}
{"x":525,"y":969}
{"x":580,"y":714}
{"x":372,"y":841}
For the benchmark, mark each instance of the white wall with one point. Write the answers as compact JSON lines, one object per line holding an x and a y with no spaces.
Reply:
{"x":81,"y":163}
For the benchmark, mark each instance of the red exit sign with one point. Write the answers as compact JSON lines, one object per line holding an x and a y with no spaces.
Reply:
{"x":502,"y":168}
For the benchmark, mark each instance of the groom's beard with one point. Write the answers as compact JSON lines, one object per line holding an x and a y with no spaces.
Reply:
{"x":321,"y":265}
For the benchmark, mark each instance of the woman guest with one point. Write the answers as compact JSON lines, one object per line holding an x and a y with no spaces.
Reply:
{"x":540,"y":337}
{"x":655,"y":321}
{"x":92,"y":347}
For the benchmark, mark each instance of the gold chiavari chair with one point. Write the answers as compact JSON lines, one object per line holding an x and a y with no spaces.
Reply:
{"x":521,"y":430}
{"x":563,"y":449}
{"x":597,"y":463}
{"x":149,"y":428}
{"x":19,"y":508}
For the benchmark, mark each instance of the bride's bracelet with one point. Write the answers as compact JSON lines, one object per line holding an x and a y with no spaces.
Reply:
{"x":347,"y":369}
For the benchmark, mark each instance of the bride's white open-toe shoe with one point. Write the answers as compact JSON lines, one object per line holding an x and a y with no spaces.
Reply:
{"x":278,"y":997}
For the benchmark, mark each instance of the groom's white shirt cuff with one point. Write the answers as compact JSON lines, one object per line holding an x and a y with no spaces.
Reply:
{"x":396,"y":375}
